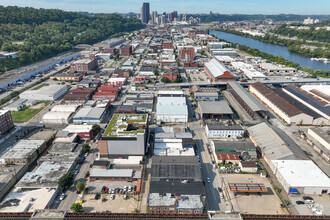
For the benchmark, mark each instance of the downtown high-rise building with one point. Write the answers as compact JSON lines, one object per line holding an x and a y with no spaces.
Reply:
{"x":145,"y":12}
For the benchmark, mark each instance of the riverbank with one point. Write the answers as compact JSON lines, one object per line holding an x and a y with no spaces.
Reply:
{"x":296,"y":46}
{"x":278,"y":59}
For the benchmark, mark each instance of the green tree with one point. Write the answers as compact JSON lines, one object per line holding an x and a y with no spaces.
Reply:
{"x":156,"y":72}
{"x":85,"y":148}
{"x":65,"y":181}
{"x":77,"y":207}
{"x":80,"y":186}
{"x":163,"y":79}
{"x":96,"y":129}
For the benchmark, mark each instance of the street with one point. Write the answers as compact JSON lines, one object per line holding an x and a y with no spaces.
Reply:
{"x":71,"y":195}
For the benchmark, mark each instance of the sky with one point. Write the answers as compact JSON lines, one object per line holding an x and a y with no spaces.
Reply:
{"x":306,"y":7}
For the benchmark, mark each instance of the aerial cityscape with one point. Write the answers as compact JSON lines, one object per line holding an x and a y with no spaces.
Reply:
{"x":165,"y":110}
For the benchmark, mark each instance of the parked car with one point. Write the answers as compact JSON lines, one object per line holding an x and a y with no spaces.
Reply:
{"x":308,"y":201}
{"x":112,"y":197}
{"x":219,"y":189}
{"x":97,"y":196}
{"x":307,"y":198}
{"x":208,"y":179}
{"x":77,"y":192}
{"x":62,"y":197}
{"x":300,"y":202}
{"x":76,"y":172}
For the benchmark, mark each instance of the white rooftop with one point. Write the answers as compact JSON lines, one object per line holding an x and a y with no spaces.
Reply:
{"x":78,"y":128}
{"x":65,"y":108}
{"x":301,"y":173}
{"x":116,"y":79}
{"x":216,"y":68}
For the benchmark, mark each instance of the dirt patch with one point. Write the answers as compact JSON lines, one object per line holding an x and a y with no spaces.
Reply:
{"x":40,"y":105}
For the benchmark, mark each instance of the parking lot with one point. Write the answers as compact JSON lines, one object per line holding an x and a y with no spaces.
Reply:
{"x":119,"y":204}
{"x":321,"y":204}
{"x":253,"y":203}
{"x":197,"y":76}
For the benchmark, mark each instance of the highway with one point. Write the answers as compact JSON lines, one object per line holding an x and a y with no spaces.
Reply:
{"x":273,"y":81}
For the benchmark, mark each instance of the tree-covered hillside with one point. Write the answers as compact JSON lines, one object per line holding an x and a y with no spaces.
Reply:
{"x":40,"y":33}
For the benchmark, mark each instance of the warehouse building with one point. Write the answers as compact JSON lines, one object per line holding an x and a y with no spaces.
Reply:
{"x":46,"y":93}
{"x":217,"y":71}
{"x":124,"y":136}
{"x":290,"y":113}
{"x":215,"y":110}
{"x":89,"y":115}
{"x":319,"y":139}
{"x":301,"y":176}
{"x":274,"y":144}
{"x":115,"y":175}
{"x":206,"y":96}
{"x":171,"y":107}
{"x":84,"y":132}
{"x":83,"y":66}
{"x":319,"y":106}
{"x":109,"y":43}
{"x":249,"y":71}
{"x":6,"y":122}
{"x":16,"y":105}
{"x":24,"y":152}
{"x":114,"y":81}
{"x":176,"y":175}
{"x":67,"y":77}
{"x":215,"y":130}
{"x":271,"y":68}
{"x":247,"y":101}
{"x":56,"y":118}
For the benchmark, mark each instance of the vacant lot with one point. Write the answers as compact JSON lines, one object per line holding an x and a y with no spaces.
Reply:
{"x":24,"y":115}
{"x":28,"y":113}
{"x":267,"y":203}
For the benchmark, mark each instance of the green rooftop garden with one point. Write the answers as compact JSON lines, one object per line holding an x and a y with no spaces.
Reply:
{"x":129,"y":119}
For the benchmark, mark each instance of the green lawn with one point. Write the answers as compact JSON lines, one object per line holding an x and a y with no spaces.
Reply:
{"x":24,"y":115}
{"x":27,"y":114}
{"x":39,"y":86}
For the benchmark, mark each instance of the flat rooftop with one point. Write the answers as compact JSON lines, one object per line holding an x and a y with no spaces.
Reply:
{"x":215,"y":107}
{"x":302,"y":173}
{"x":119,"y":125}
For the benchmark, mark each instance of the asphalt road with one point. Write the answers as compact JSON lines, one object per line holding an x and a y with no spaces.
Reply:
{"x":214,"y":202}
{"x":71,"y":195}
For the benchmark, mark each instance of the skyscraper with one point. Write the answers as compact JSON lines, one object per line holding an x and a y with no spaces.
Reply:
{"x":145,"y":12}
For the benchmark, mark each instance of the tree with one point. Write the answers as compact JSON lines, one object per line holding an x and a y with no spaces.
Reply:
{"x":163,"y":79}
{"x":85,"y":148}
{"x":116,"y":57}
{"x":80,"y":186}
{"x":203,"y":52}
{"x":65,"y":180}
{"x":96,"y":129}
{"x":156,"y":72}
{"x":76,"y":207}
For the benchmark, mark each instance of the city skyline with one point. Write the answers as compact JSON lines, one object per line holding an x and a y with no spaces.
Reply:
{"x":195,"y":6}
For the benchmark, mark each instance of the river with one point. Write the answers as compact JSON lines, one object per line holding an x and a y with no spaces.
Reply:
{"x":273,"y":49}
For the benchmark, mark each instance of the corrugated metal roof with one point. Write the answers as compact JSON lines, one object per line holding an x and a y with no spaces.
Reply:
{"x":278,"y":100}
{"x":250,"y":100}
{"x":275,"y":146}
{"x":216,"y":68}
{"x":215,"y":107}
{"x":121,"y":173}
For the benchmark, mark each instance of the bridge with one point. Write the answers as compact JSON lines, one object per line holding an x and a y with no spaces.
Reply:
{"x":275,"y":82}
{"x":84,"y":47}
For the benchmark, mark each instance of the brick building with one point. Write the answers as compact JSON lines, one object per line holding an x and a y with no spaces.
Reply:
{"x":6,"y":121}
{"x":125,"y":50}
{"x":83,"y":66}
{"x":190,"y":52}
{"x":172,"y":74}
{"x":167,"y":45}
{"x":113,"y":51}
{"x":67,"y":77}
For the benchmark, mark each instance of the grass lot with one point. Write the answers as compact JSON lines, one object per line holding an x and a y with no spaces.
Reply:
{"x":24,"y":115}
{"x":39,"y":86}
{"x":27,"y":114}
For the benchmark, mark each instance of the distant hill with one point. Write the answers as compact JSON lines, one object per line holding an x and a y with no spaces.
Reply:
{"x":41,"y":33}
{"x":241,"y":17}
